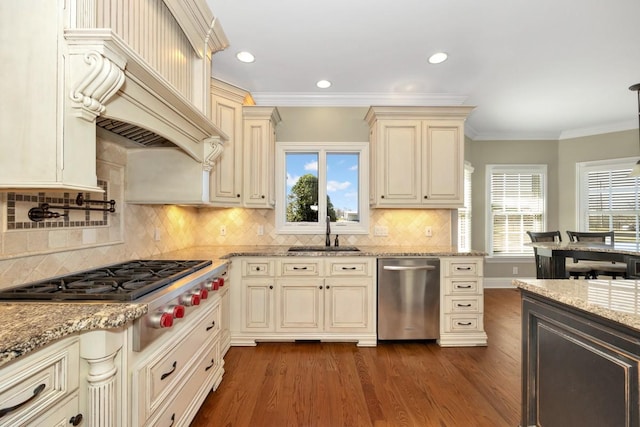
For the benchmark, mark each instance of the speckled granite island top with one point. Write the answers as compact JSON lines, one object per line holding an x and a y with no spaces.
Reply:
{"x":615,"y":300}
{"x":26,"y":326}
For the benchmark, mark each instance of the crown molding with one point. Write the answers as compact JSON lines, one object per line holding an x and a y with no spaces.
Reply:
{"x":355,"y":99}
{"x":597,"y":130}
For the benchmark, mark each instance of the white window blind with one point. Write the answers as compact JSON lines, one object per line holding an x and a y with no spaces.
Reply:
{"x":609,"y":199}
{"x":464,"y":213}
{"x":516,"y":205}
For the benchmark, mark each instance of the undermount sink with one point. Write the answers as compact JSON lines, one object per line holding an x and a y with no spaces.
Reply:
{"x":323,"y":249}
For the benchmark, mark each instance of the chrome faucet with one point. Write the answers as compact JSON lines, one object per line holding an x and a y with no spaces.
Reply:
{"x":327,"y":241}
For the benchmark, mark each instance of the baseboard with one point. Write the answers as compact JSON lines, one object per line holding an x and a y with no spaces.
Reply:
{"x":502,"y":282}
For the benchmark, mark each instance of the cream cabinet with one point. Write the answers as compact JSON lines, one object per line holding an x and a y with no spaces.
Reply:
{"x":226,"y":113}
{"x":461,"y":302}
{"x":42,"y":388}
{"x":298,"y":298}
{"x":417,"y":156}
{"x":259,"y":158}
{"x":171,"y":379}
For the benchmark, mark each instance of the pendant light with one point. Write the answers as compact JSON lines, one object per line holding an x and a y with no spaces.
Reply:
{"x":636,"y":168}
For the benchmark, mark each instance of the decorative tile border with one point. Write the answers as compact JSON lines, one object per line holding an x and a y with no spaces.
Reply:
{"x":18,"y":205}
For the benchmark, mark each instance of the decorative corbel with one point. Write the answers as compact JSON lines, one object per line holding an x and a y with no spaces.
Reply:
{"x":217,"y":147}
{"x":103,"y":79}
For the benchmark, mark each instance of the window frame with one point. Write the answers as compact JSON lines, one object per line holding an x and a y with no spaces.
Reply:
{"x":582,"y":193}
{"x":519,"y":169}
{"x":465,"y":213}
{"x":322,"y":148}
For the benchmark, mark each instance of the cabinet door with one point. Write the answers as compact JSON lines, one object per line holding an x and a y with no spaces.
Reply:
{"x":300,"y":305}
{"x":348,"y":305}
{"x":259,"y":141}
{"x":443,"y":160}
{"x":257,"y":305}
{"x":227,"y":174}
{"x":398,"y":154}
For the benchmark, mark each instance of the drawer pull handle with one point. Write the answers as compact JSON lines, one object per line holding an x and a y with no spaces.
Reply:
{"x":213,"y":325}
{"x":76,"y":420}
{"x":348,"y":268}
{"x":173,"y":419}
{"x":464,"y":323}
{"x":463,"y":305}
{"x":210,"y":366}
{"x":463,"y":286}
{"x":463,"y":268}
{"x":166,"y":374}
{"x":36,"y":392}
{"x":299,"y":268}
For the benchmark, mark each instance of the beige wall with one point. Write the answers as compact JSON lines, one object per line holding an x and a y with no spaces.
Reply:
{"x":483,"y":153}
{"x":598,"y":147}
{"x":322,"y":124}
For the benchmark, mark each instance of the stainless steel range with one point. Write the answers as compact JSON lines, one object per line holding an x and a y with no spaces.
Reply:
{"x":171,"y":288}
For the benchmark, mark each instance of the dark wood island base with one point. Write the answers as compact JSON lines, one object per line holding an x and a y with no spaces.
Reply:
{"x":580,"y":368}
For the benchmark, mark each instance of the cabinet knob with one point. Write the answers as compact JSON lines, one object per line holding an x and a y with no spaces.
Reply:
{"x":382,"y":197}
{"x":270,"y":286}
{"x":237,"y":195}
{"x":319,"y":287}
{"x":76,"y":420}
{"x":426,"y":197}
{"x":262,"y":196}
{"x":328,"y":286}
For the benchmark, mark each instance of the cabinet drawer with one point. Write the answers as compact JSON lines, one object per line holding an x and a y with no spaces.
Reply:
{"x":463,"y":268}
{"x":61,"y":415}
{"x":349,"y":268}
{"x":299,"y":268}
{"x":463,"y":323}
{"x":42,"y":380}
{"x":462,"y":286}
{"x":257,"y":268}
{"x":462,"y":304}
{"x":161,"y":375}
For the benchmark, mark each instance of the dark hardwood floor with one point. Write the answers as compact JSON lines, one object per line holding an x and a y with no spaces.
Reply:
{"x":393,"y":384}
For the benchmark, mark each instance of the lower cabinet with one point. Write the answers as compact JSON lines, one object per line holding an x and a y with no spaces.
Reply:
{"x":170,"y":382}
{"x":461,"y":302}
{"x":577,"y":369}
{"x":41,"y":389}
{"x":301,"y":298}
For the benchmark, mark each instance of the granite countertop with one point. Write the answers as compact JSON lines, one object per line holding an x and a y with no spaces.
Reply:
{"x":28,"y":326}
{"x":615,"y":300}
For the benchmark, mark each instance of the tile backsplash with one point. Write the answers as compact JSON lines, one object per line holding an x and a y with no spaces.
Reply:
{"x":141,"y":231}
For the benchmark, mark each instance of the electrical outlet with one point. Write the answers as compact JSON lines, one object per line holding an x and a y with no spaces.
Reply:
{"x":515,"y":271}
{"x":156,"y":234}
{"x":428,"y":231}
{"x":260,"y":230}
{"x":223,"y":230}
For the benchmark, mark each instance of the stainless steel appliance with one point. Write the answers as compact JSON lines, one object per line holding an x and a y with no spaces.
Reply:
{"x":408,"y":298}
{"x":172,"y":289}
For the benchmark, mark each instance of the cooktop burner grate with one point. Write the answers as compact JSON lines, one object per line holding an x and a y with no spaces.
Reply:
{"x":125,"y":281}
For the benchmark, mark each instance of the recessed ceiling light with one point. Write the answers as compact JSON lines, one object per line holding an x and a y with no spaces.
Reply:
{"x":245,"y":57}
{"x":323,"y":84}
{"x":437,"y":58}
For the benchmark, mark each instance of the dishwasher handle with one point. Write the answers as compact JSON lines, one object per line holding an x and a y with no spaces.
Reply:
{"x":405,"y":267}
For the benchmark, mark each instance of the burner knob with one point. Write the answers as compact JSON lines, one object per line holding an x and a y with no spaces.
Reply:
{"x":203,"y":293}
{"x":221,"y":279}
{"x":209,"y":284}
{"x":177,"y":311}
{"x":190,"y":299}
{"x":162,"y":320}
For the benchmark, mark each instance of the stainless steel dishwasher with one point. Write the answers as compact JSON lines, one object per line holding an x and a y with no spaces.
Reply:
{"x":408,"y":298}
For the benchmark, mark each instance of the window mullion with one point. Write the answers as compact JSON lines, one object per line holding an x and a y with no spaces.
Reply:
{"x":322,"y":186}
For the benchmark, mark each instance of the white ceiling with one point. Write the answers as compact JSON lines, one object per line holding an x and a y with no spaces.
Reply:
{"x":544,"y":69}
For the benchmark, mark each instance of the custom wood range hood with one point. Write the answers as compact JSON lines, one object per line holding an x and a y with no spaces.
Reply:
{"x":139,"y":72}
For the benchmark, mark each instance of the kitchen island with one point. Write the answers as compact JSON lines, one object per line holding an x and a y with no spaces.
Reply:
{"x":580,"y":352}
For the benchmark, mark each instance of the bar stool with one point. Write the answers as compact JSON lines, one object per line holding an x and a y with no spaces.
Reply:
{"x":600,"y":268}
{"x":573,"y":268}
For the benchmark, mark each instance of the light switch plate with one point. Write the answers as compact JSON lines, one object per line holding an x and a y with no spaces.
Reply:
{"x":380,"y":230}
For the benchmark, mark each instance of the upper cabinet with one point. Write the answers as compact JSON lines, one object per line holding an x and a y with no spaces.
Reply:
{"x":72,"y":66}
{"x":259,"y":159}
{"x":417,"y":156}
{"x":226,"y":112}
